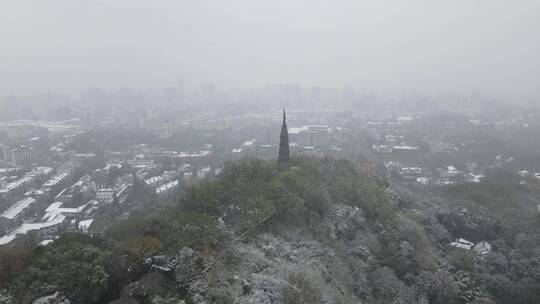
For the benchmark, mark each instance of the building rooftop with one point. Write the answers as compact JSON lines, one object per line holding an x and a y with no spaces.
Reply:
{"x":7,"y":239}
{"x":45,"y":242}
{"x":14,"y":185}
{"x":54,"y":220}
{"x":405,"y":147}
{"x":153,"y":180}
{"x":55,"y":179}
{"x":296,"y":130}
{"x":167,"y":186}
{"x":18,"y":207}
{"x":56,"y":208}
{"x":199,"y":154}
{"x":26,"y":227}
{"x":84,"y":225}
{"x":249,"y":143}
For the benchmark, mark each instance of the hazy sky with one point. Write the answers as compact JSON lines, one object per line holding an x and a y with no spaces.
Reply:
{"x":67,"y":45}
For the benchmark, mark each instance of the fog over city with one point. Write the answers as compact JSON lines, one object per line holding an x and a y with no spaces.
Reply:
{"x":273,"y":152}
{"x":383,"y":46}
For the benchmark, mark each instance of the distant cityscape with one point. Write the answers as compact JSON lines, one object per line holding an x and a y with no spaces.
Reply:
{"x":65,"y":160}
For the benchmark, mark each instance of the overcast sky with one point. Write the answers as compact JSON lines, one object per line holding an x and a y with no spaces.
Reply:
{"x":67,"y":45}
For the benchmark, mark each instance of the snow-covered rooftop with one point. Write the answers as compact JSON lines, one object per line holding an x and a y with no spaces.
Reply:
{"x":18,"y":207}
{"x":84,"y":225}
{"x":167,"y":186}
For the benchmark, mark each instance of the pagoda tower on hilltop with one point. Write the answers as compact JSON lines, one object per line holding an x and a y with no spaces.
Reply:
{"x":284,"y":152}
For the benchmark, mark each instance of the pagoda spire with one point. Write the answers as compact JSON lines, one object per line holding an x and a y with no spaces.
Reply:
{"x":284,"y":152}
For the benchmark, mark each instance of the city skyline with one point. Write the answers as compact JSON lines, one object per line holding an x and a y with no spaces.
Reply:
{"x":432,"y":47}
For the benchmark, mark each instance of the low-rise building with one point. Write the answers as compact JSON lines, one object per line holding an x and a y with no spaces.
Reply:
{"x":84,"y":226}
{"x":141,"y":163}
{"x":203,"y":172}
{"x":55,"y":180}
{"x":167,"y":188}
{"x":55,"y":183}
{"x":123,"y":192}
{"x":56,"y":207}
{"x":382,"y":148}
{"x":411,"y":171}
{"x":17,"y":209}
{"x":463,"y":244}
{"x":426,"y":181}
{"x":105,"y":194}
{"x":16,"y":187}
{"x":53,"y":225}
{"x":451,"y":175}
{"x":154,"y":181}
{"x":482,"y":248}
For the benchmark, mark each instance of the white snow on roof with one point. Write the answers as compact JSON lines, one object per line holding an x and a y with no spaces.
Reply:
{"x":57,"y":219}
{"x":296,"y":130}
{"x":13,"y":185}
{"x":7,"y":238}
{"x":55,"y":179}
{"x":55,"y":208}
{"x":248,"y":143}
{"x":153,"y":180}
{"x":83,"y":225}
{"x":462,"y":243}
{"x":187,"y":154}
{"x":53,"y":219}
{"x":24,"y":228}
{"x":45,"y":242}
{"x":167,"y":186}
{"x":18,"y":207}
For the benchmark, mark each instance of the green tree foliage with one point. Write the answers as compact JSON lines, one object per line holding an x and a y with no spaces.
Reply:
{"x":141,"y":247}
{"x":387,"y":288}
{"x":461,"y":259}
{"x":404,"y":251}
{"x":197,"y":230}
{"x":12,"y":262}
{"x":72,"y":265}
{"x":438,"y":286}
{"x":301,"y":291}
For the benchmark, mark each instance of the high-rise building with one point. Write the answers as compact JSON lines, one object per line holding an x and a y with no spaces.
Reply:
{"x":284,"y":152}
{"x":289,"y":94}
{"x":263,"y":135}
{"x":315,"y":97}
{"x":20,"y":155}
{"x":208,"y":93}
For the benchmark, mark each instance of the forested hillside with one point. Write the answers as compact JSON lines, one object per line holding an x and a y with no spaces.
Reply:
{"x":319,"y":232}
